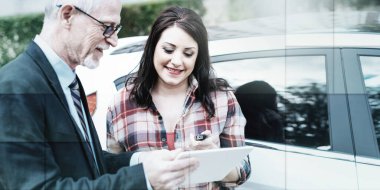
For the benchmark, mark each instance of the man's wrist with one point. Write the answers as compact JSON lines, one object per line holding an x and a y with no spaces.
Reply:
{"x":135,"y":159}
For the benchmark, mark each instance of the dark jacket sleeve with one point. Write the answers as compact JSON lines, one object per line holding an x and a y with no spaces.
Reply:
{"x":115,"y":161}
{"x":29,"y":133}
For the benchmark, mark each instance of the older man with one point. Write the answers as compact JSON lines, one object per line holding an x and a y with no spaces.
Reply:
{"x":47,"y":138}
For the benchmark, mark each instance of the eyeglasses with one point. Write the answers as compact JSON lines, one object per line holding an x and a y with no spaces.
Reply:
{"x":109,"y":30}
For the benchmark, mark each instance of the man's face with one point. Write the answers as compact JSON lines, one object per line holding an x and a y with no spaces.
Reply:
{"x":87,"y":41}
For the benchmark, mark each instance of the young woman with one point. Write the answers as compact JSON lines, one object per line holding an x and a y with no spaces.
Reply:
{"x":174,"y":96}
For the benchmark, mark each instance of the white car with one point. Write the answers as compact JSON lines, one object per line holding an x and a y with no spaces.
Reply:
{"x":328,"y":93}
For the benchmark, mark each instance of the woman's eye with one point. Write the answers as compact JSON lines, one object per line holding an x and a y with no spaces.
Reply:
{"x":169,"y":51}
{"x":188,"y":54}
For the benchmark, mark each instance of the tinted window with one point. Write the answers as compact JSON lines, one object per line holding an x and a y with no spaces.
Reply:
{"x":371,"y":72}
{"x":299,"y":114}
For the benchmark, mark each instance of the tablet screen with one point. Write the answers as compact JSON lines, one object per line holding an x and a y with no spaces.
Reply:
{"x":214,"y":164}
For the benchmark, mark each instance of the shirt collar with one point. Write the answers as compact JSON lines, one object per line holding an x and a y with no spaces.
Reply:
{"x":190,"y":94}
{"x":193,"y":85}
{"x":65,"y":74}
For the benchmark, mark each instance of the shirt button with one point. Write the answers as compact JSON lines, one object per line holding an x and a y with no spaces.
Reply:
{"x":163,"y":139}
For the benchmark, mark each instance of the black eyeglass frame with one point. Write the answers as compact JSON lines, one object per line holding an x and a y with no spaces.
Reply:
{"x":109,"y":30}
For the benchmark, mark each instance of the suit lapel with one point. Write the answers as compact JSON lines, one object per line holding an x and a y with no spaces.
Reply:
{"x":40,"y":59}
{"x":35,"y":52}
{"x":94,"y":135}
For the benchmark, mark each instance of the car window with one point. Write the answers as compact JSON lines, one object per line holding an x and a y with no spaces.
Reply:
{"x":120,"y":82}
{"x":371,"y":72}
{"x":298,"y":113}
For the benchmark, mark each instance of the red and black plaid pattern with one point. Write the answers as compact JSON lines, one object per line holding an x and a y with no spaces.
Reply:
{"x":134,"y":128}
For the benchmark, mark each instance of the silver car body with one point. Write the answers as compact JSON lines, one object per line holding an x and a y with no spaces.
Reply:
{"x":350,"y":161}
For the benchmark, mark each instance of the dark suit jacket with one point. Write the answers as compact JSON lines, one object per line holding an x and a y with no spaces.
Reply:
{"x":41,"y":146}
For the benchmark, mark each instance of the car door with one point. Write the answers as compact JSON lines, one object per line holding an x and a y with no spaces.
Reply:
{"x":316,"y":152}
{"x":362,"y":68}
{"x":267,"y":158}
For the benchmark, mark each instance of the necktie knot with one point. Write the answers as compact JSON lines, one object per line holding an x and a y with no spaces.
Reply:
{"x":74,"y":85}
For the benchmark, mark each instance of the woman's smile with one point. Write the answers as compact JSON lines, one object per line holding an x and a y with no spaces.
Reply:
{"x":174,"y":71}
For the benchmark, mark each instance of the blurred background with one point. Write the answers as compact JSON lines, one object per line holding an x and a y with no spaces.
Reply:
{"x":21,"y":20}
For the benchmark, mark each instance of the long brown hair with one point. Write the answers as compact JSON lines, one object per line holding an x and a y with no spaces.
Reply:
{"x":147,"y":76}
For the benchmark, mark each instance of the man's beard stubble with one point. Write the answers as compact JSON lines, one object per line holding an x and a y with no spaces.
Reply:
{"x":90,"y":63}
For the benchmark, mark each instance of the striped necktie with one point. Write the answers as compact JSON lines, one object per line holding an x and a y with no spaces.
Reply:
{"x":74,"y":88}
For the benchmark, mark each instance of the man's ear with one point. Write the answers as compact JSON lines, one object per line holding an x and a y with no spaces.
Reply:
{"x":66,"y":14}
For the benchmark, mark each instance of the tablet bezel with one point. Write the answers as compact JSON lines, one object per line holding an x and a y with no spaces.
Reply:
{"x":214,"y":164}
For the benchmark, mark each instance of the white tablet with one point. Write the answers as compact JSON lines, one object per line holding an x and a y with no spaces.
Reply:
{"x":214,"y":164}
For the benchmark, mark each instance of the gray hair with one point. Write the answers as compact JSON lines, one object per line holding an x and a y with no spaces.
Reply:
{"x":51,"y":9}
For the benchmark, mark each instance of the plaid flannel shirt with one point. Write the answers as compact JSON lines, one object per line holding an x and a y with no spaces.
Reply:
{"x":134,"y":128}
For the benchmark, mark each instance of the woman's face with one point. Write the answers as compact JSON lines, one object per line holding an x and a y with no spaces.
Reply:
{"x":174,"y":57}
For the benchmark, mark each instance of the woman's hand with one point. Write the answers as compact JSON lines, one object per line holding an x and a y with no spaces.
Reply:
{"x":211,"y":142}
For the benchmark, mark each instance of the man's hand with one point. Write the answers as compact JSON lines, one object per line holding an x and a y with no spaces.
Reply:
{"x":164,"y":171}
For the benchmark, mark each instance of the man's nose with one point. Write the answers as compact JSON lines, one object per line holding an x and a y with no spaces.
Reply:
{"x":112,"y":40}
